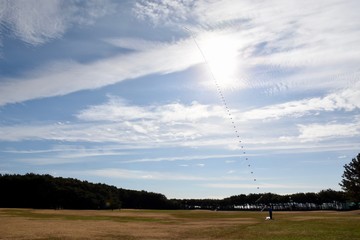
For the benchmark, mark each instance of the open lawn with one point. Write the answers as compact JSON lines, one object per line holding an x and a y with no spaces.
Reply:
{"x":176,"y":224}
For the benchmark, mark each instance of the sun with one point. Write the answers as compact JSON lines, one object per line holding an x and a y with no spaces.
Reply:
{"x":221,"y":55}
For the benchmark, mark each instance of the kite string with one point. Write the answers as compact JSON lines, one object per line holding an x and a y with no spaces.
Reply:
{"x":223,"y":99}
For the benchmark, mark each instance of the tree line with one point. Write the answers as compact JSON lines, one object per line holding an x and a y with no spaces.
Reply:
{"x":325,"y":199}
{"x":45,"y":191}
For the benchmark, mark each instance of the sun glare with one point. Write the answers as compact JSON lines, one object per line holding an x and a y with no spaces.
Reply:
{"x":221,"y":54}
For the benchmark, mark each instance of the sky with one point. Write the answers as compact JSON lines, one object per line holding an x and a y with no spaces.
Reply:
{"x":191,"y":99}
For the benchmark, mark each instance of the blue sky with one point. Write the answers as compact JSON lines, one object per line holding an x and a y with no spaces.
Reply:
{"x":192,"y":99}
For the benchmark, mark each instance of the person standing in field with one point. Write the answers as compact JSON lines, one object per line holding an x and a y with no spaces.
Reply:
{"x":270,"y":209}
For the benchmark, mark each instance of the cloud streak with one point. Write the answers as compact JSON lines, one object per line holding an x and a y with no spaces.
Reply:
{"x":68,"y":77}
{"x":117,"y":110}
{"x":139,"y":174}
{"x":153,"y":175}
{"x":263,"y":186}
{"x":346,"y":100}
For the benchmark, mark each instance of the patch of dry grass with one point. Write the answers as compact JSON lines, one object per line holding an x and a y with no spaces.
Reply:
{"x":150,"y":224}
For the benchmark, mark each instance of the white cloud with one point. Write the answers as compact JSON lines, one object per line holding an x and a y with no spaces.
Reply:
{"x":154,"y":125}
{"x":262,"y":186}
{"x":310,"y":42}
{"x":281,"y":46}
{"x":38,"y":21}
{"x":70,"y":152}
{"x":42,"y":161}
{"x":317,"y":132}
{"x":346,"y":100}
{"x":134,"y":43}
{"x":164,"y":11}
{"x":186,"y":158}
{"x":154,"y":175}
{"x":34,"y":22}
{"x":192,"y":125}
{"x":140,"y":174}
{"x":68,"y":77}
{"x":117,"y":110}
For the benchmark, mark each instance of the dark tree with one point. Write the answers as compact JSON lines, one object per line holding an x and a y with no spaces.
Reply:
{"x":44,"y":191}
{"x":351,"y":179}
{"x":329,"y":195}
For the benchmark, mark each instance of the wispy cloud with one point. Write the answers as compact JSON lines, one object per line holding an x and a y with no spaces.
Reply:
{"x":262,"y":186}
{"x":140,"y":174}
{"x":196,"y":125}
{"x":303,"y":49}
{"x":117,"y":110}
{"x":48,"y":161}
{"x":38,"y":21}
{"x":153,"y":175}
{"x":163,"y":12}
{"x":186,"y":158}
{"x":346,"y":100}
{"x":70,"y":76}
{"x":316,"y":132}
{"x":117,"y":121}
{"x":65,"y":154}
{"x":288,"y":46}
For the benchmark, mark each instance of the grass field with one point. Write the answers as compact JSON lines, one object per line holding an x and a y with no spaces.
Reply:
{"x":177,"y":224}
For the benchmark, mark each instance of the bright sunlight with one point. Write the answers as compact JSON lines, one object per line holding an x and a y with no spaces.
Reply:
{"x":221,"y":54}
